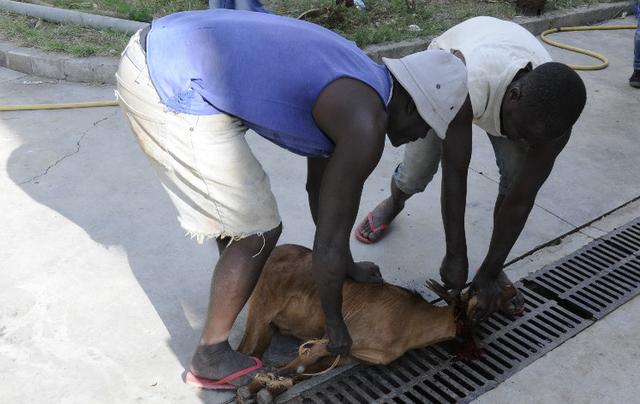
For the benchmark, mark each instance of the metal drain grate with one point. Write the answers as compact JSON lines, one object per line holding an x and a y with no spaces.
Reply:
{"x":598,"y":278}
{"x":431,"y":375}
{"x":562,"y":299}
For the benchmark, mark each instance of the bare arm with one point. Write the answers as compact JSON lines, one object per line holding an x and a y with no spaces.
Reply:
{"x":315,"y":171}
{"x":514,"y":210}
{"x":512,"y":215}
{"x":359,"y":137}
{"x":456,"y":154}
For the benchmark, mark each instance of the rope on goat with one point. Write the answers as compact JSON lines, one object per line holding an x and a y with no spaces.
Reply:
{"x":273,"y":382}
{"x":305,"y":351}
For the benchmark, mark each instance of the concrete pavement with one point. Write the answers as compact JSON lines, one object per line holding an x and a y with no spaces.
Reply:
{"x":103,"y":297}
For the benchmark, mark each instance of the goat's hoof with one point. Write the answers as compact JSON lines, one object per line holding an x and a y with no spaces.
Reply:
{"x":264,"y":397}
{"x":243,"y":395}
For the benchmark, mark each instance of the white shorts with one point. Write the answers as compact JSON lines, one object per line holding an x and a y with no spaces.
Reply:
{"x":215,"y":182}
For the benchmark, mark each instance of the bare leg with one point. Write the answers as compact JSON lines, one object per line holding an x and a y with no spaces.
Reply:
{"x":384,"y":213}
{"x":235,"y":276}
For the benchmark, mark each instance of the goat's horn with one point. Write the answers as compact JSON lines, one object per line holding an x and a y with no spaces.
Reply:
{"x":438,"y":289}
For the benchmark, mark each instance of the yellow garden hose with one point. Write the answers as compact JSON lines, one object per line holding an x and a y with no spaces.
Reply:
{"x":88,"y":104}
{"x":602,"y":58}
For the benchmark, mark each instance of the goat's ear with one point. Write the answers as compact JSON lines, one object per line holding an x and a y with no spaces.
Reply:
{"x":439,"y":290}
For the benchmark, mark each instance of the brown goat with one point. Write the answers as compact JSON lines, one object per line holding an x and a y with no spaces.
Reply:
{"x":384,"y":320}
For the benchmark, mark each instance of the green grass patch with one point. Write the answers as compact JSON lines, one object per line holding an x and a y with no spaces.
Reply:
{"x":383,"y":21}
{"x":386,"y":21}
{"x":391,"y":20}
{"x":71,"y":39}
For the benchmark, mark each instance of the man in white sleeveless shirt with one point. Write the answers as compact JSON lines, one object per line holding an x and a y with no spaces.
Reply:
{"x":527,"y":105}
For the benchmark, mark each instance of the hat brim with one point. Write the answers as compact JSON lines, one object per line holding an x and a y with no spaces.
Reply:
{"x":426,"y":110}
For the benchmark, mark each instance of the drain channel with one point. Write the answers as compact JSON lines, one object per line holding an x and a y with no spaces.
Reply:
{"x":562,"y":299}
{"x":431,"y":375}
{"x":599,"y":277}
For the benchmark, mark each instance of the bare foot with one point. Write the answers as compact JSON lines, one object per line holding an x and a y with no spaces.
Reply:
{"x":377,"y":222}
{"x":218,"y":361}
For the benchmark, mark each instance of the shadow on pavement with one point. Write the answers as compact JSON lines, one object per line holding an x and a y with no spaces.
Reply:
{"x":111,"y":192}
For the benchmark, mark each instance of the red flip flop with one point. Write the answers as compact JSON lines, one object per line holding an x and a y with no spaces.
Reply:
{"x":379,"y":229}
{"x":221,"y":384}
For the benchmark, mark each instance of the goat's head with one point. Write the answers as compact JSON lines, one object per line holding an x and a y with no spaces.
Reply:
{"x":467,"y":301}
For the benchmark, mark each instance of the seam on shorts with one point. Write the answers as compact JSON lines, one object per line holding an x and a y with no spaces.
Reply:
{"x":164,"y":145}
{"x":199,"y":172}
{"x":130,"y":108}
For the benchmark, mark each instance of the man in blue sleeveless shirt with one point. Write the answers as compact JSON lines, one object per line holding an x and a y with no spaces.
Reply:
{"x":192,"y":85}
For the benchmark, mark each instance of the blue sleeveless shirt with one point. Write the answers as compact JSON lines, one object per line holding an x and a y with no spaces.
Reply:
{"x":267,"y":70}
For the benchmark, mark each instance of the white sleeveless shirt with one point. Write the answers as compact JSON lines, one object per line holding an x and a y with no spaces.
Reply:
{"x":494,"y":50}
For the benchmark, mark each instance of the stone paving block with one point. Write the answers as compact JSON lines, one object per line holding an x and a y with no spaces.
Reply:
{"x":78,"y":70}
{"x":105,"y":69}
{"x":4,"y":48}
{"x":47,"y":64}
{"x":93,"y":69}
{"x":19,"y":59}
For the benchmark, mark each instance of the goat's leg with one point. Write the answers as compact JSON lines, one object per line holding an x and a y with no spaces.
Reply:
{"x":324,"y":364}
{"x":257,"y":336}
{"x":306,"y":358}
{"x":311,"y":360}
{"x":247,"y":392}
{"x":263,"y":308}
{"x":315,"y":360}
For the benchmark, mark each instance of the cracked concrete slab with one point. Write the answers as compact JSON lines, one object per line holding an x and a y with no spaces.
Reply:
{"x":35,"y":179}
{"x":60,"y":129}
{"x":104,"y":297}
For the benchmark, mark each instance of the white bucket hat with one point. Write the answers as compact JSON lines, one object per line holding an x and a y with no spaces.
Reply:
{"x":436,"y":80}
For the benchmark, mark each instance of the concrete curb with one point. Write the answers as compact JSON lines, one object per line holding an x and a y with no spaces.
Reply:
{"x":57,"y":65}
{"x":102,"y":69}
